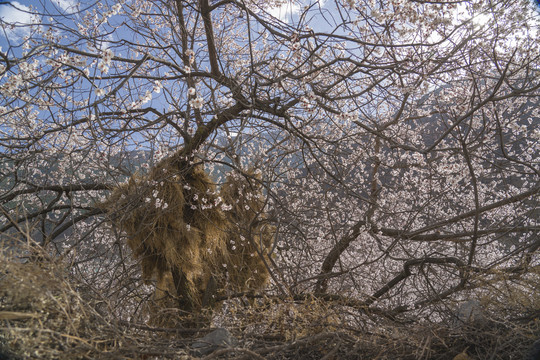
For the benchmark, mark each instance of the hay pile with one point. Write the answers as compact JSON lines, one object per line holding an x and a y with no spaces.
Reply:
{"x":251,"y":234}
{"x":43,"y":316}
{"x":194,"y":241}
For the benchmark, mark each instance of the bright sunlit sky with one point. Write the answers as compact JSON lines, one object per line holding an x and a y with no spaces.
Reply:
{"x":19,"y":12}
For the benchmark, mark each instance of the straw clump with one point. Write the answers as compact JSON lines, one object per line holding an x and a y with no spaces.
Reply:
{"x":252,"y":235}
{"x":42,"y":315}
{"x":177,"y":223}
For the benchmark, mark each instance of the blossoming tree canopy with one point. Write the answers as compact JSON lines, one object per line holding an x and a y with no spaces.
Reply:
{"x":396,"y":142}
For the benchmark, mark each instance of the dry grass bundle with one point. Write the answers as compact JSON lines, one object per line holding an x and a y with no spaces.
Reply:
{"x":315,"y":328}
{"x":43,"y":316}
{"x":285,"y":318}
{"x":173,"y":222}
{"x":162,"y":309}
{"x":166,"y":219}
{"x":176,"y":223}
{"x":251,"y":236}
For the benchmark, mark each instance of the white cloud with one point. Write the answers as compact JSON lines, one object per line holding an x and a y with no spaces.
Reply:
{"x":66,"y":5}
{"x":283,"y":11}
{"x":289,"y":8}
{"x":16,"y":14}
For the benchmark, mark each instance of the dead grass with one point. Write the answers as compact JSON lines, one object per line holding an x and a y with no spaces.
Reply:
{"x":167,"y":220}
{"x":177,"y":222}
{"x":44,"y":316}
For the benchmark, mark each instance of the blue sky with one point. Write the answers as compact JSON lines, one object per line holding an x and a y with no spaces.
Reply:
{"x":15,"y":13}
{"x":21,"y":12}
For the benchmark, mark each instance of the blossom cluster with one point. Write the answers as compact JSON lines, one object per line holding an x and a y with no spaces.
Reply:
{"x":157,"y":86}
{"x":26,"y":72}
{"x":196,"y":103}
{"x":115,"y":9}
{"x":191,"y":56}
{"x":106,"y":58}
{"x":158,"y":202}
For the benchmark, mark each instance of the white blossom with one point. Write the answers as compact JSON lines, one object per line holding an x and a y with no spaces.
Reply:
{"x":116,"y":8}
{"x":225,"y":207}
{"x":196,"y":103}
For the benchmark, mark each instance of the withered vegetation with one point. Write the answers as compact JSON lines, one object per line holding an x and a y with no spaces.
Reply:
{"x":250,"y":236}
{"x":45,"y":315}
{"x":194,"y":241}
{"x":197,"y":244}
